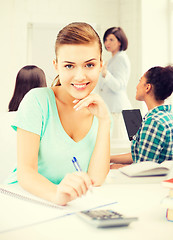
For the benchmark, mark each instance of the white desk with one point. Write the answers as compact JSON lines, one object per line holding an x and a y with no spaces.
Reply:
{"x":135,"y":199}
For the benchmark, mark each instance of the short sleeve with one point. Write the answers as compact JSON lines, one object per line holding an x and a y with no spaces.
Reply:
{"x":29,"y":115}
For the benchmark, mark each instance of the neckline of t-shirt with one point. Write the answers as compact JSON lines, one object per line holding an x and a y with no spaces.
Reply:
{"x":62,"y":129}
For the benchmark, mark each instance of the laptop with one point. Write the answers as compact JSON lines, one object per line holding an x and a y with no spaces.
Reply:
{"x":132,"y":119}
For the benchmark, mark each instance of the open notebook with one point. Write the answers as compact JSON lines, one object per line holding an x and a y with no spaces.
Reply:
{"x":19,"y":209}
{"x":147,"y":168}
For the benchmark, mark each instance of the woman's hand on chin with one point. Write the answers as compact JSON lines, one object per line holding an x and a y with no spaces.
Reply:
{"x":95,"y":104}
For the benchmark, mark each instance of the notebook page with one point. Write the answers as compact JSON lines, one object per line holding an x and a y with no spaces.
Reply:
{"x":18,"y":213}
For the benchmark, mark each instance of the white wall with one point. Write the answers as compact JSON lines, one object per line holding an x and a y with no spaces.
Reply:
{"x":155,"y":35}
{"x":130,"y":21}
{"x":16,"y":14}
{"x":139,"y":19}
{"x":155,"y":32}
{"x":146,"y":23}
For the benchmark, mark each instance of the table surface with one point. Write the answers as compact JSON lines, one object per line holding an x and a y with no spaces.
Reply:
{"x":139,"y":197}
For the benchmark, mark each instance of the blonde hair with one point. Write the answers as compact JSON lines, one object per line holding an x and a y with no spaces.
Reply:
{"x":76,"y":33}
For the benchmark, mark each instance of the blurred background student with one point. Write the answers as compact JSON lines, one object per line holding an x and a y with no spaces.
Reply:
{"x":27,"y":78}
{"x":114,"y":78}
{"x":153,"y":141}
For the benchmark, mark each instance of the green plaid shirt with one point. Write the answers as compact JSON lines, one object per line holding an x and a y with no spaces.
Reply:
{"x":154,"y":139}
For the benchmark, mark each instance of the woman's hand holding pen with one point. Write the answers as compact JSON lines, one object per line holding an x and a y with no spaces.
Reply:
{"x":95,"y":104}
{"x":72,"y":186}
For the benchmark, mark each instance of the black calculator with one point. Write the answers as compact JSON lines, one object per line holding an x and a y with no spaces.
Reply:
{"x":105,"y":218}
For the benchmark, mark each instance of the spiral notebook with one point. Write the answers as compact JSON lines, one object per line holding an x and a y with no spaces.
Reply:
{"x":20,"y":209}
{"x":29,"y":199}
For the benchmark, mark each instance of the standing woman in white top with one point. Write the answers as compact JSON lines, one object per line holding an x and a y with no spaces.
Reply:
{"x":114,"y":78}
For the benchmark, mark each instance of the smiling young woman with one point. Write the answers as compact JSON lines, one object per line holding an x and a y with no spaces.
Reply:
{"x":78,"y":68}
{"x":65,"y":121}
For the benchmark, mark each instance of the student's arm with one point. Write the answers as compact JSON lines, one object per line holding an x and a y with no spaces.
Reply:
{"x":117,"y":79}
{"x":125,"y":158}
{"x":72,"y":186}
{"x":121,"y":160}
{"x":100,"y":161}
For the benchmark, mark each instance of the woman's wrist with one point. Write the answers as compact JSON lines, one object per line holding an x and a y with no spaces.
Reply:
{"x":58,"y":197}
{"x":105,"y":120}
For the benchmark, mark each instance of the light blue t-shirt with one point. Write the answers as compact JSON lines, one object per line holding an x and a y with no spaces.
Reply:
{"x":38,"y":113}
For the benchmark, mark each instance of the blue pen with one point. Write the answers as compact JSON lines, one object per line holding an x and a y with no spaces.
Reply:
{"x":78,"y":168}
{"x":76,"y":165}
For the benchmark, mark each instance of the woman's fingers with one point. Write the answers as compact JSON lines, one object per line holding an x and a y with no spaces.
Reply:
{"x":72,"y":186}
{"x":86,"y":179}
{"x":95,"y":104}
{"x":76,"y":101}
{"x":77,"y":183}
{"x":64,"y":194}
{"x":83,"y":103}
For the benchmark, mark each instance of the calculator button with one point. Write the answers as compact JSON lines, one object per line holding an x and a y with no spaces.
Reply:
{"x":103,"y":215}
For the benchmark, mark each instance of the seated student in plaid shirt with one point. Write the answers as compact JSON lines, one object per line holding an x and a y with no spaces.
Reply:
{"x":154,"y":139}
